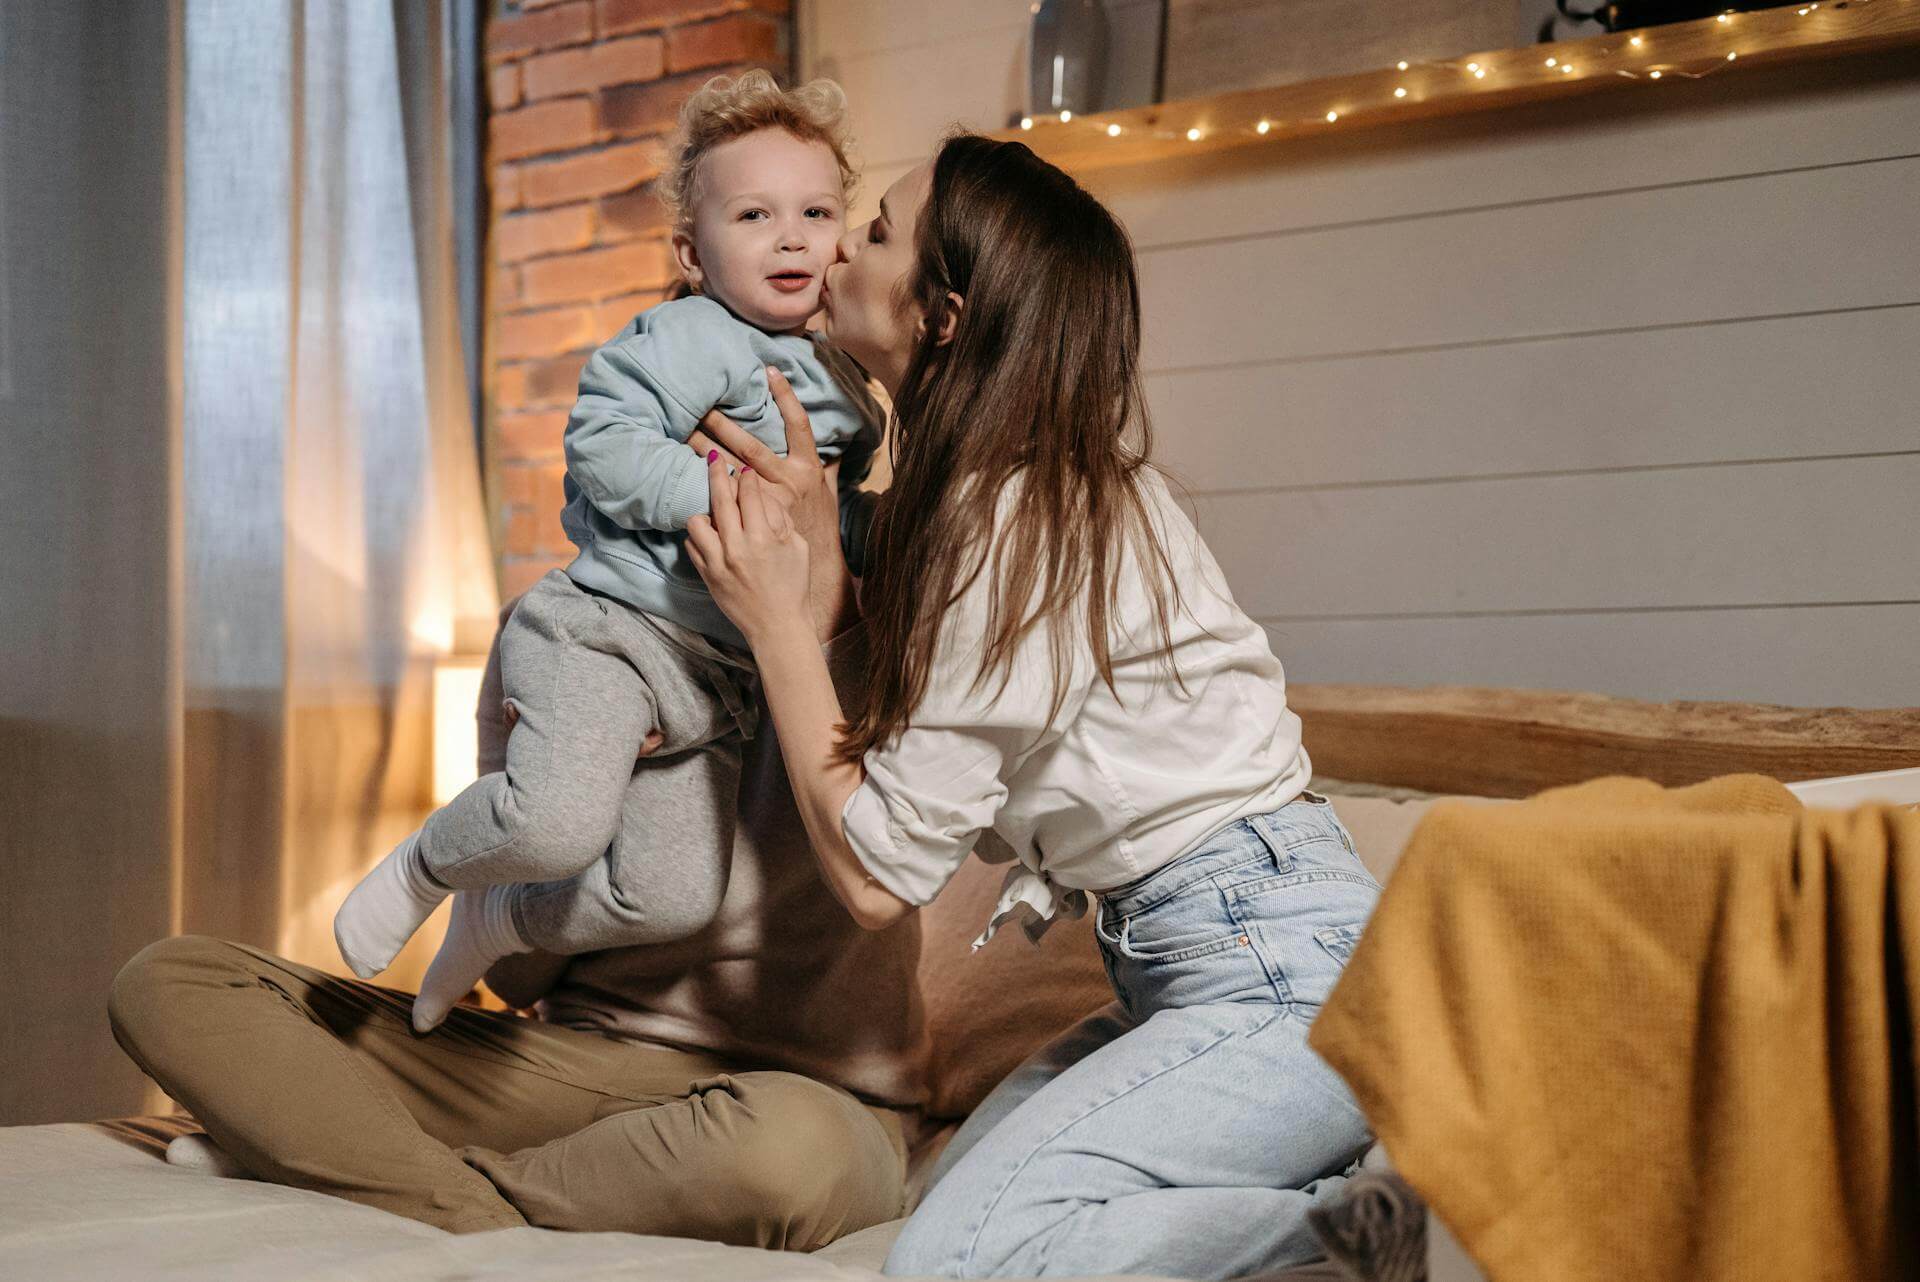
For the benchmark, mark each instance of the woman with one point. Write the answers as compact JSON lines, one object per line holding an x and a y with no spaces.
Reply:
{"x":1059,"y":676}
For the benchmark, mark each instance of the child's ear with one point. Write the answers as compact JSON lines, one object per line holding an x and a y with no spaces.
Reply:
{"x":688,"y":257}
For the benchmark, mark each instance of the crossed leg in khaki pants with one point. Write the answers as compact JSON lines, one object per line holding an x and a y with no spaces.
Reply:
{"x":494,"y":1120}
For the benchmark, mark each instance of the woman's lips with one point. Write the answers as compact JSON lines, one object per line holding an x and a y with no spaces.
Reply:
{"x":790,"y":284}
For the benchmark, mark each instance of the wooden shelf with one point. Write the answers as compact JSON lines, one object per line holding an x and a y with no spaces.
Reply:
{"x":1647,"y":60}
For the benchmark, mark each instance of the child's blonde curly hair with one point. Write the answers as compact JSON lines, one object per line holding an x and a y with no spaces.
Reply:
{"x":729,"y":107}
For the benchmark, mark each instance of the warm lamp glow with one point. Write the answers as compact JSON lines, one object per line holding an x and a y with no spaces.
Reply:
{"x":456,"y":739}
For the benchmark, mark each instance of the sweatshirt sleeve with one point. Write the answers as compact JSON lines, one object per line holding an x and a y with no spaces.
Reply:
{"x":641,"y":396}
{"x":937,"y":785}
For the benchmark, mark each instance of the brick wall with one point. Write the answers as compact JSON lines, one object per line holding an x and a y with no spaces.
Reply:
{"x":582,"y":94}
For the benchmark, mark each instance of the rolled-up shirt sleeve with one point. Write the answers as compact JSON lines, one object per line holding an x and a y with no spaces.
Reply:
{"x":913,"y":831}
{"x":933,"y":788}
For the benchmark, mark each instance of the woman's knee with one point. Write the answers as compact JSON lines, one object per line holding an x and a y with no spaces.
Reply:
{"x":981,"y":1225}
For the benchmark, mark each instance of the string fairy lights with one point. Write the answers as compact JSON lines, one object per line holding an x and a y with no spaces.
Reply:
{"x":1633,"y":55}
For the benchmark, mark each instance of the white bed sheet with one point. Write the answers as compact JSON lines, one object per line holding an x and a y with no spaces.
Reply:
{"x":77,"y":1204}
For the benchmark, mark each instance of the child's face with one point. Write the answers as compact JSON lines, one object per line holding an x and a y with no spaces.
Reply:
{"x":767,"y":210}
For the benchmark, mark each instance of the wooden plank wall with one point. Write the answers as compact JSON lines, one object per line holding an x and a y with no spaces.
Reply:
{"x":1617,"y":394}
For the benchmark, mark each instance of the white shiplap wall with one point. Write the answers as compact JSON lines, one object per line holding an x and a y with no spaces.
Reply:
{"x":1618,"y":394}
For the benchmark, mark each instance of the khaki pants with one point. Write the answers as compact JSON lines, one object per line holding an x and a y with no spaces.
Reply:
{"x":496,"y":1120}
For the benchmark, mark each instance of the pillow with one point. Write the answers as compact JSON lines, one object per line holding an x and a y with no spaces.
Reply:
{"x":987,"y":1011}
{"x":1380,"y":827}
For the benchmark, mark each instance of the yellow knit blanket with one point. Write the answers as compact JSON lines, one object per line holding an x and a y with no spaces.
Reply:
{"x":1625,"y":1032}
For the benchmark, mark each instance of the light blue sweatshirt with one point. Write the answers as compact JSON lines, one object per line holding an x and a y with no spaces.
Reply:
{"x":632,"y":484}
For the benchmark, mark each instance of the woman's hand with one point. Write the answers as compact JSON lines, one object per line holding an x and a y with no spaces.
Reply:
{"x":799,"y":476}
{"x":702,"y":444}
{"x":809,"y":491}
{"x":752,"y":556}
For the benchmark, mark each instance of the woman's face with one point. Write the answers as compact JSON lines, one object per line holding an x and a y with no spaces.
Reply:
{"x":867,"y":276}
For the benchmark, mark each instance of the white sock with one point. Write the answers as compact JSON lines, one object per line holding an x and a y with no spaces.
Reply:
{"x":381,"y":913}
{"x":480,"y":933}
{"x":200,"y":1153}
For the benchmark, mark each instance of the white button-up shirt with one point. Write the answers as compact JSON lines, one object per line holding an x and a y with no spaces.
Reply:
{"x":1115,"y":785}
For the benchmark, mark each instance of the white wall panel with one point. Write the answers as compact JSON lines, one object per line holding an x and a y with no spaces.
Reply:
{"x":1615,"y":393}
{"x":1755,"y":534}
{"x":1823,"y":384}
{"x":1767,"y":245}
{"x":1815,"y":656}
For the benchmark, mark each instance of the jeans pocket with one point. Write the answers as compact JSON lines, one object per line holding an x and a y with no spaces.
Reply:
{"x":1191,"y":924}
{"x":1305,"y":927}
{"x":1338,"y":941}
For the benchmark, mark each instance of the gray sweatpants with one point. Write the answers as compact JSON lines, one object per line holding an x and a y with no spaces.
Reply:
{"x":622,"y":849}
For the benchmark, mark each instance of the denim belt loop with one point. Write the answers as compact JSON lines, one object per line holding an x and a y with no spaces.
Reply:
{"x":1282,"y":860}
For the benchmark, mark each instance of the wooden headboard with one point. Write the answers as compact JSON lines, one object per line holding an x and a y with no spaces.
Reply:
{"x":1511,"y":743}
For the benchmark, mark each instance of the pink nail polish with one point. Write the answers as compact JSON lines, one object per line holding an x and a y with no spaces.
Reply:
{"x":712,"y":455}
{"x":745,"y":468}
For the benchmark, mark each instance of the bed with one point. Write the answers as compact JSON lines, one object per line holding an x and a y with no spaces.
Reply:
{"x":97,"y":1199}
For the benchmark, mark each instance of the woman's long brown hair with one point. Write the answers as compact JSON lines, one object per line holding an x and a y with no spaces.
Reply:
{"x":1041,"y":378}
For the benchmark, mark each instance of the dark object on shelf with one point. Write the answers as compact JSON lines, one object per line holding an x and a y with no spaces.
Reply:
{"x":1067,"y":62}
{"x":1625,"y":15}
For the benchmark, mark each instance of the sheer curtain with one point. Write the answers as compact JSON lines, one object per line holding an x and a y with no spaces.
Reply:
{"x":298,"y":491}
{"x":334,"y":533}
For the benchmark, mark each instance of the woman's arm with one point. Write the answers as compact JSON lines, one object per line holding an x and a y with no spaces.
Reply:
{"x":758,"y":564}
{"x":806,"y":715}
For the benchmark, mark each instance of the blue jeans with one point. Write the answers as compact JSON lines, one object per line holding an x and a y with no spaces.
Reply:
{"x":1184,"y":1129}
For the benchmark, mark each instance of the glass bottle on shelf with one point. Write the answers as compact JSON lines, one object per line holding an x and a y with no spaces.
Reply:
{"x":1067,"y":57}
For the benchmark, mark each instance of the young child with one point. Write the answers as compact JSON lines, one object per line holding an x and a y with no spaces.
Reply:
{"x":627,"y":643}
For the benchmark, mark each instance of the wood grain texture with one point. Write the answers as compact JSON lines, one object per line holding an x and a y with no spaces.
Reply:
{"x":1512,"y":743}
{"x":1799,"y":116}
{"x":1515,"y":77}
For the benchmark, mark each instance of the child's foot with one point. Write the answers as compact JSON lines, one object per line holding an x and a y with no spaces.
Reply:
{"x":200,"y":1153}
{"x":479,"y":934}
{"x":382,"y":912}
